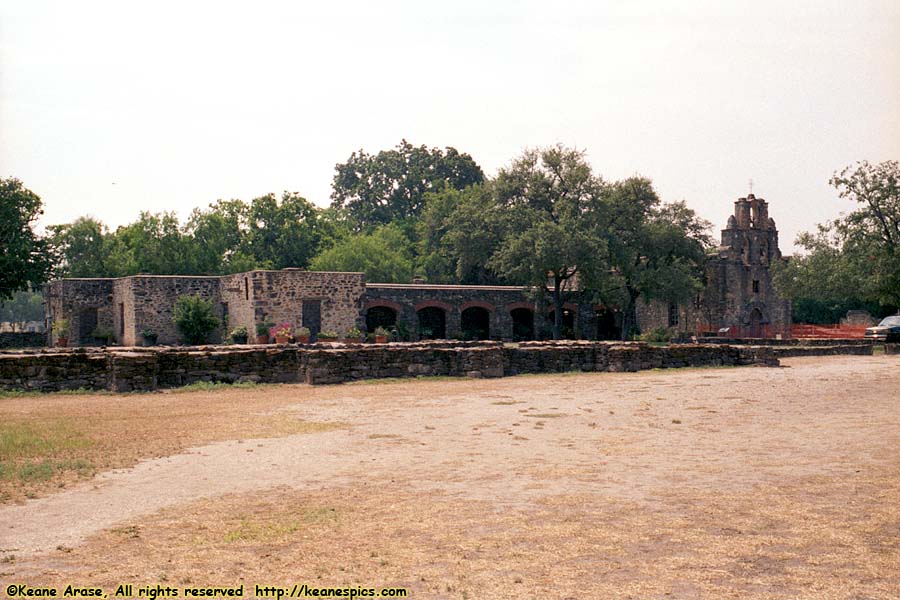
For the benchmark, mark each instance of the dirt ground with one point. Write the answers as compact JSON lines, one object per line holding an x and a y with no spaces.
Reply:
{"x":715,"y":483}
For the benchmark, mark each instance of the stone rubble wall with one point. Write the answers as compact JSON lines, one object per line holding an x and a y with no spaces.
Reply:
{"x":22,"y":339}
{"x":152,"y":368}
{"x":854,"y":349}
{"x":789,"y":342}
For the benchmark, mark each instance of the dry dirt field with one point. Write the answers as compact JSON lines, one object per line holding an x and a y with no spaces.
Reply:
{"x":696,"y":483}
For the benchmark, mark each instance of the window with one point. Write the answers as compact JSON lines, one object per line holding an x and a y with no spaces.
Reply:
{"x":121,"y":318}
{"x":673,"y":314}
{"x":246,"y":288}
{"x":756,"y":286}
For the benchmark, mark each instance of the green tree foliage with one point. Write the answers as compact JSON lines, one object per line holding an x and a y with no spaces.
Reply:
{"x":217,"y":237}
{"x":195,"y":319}
{"x":81,"y":248}
{"x":457,"y":235}
{"x":153,"y":244}
{"x":385,"y":256}
{"x":549,"y":206}
{"x":22,"y":307}
{"x":25,"y":258}
{"x":657,"y":251}
{"x":286,"y":233}
{"x":853,"y":261}
{"x":391,"y":186}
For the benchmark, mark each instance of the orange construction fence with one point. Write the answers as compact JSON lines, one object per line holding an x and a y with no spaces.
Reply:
{"x":828,"y":331}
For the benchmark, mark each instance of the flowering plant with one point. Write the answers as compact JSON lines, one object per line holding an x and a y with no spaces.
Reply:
{"x":283,"y":330}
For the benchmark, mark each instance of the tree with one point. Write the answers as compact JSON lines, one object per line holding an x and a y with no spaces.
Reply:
{"x":195,"y":319}
{"x":81,"y":248}
{"x":391,"y":185}
{"x":385,"y":256}
{"x":285,"y":233}
{"x":458,"y":233}
{"x":218,"y":237}
{"x":656,"y":251}
{"x":851,"y":262}
{"x":153,"y":244}
{"x":24,"y":257}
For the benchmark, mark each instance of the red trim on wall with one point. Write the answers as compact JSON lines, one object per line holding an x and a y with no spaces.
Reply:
{"x":514,"y":305}
{"x":376,"y":302}
{"x":477,"y":304}
{"x":435,"y":303}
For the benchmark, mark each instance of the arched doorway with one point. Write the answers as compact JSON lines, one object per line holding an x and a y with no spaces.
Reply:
{"x":568,"y":323}
{"x":756,"y":326}
{"x":380,"y":316}
{"x":475,"y":323}
{"x":523,"y":324}
{"x":432,"y":323}
{"x":607,"y":329}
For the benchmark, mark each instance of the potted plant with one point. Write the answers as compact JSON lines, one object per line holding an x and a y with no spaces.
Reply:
{"x":103,"y":335}
{"x":150,"y":337}
{"x":381,"y":335}
{"x":327,"y":336}
{"x":352,"y":336}
{"x":239,"y":335}
{"x":303,"y":335}
{"x":282,"y":333}
{"x":262,"y":332}
{"x":61,"y":331}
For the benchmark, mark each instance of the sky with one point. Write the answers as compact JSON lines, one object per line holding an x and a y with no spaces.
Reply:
{"x":111,"y":108}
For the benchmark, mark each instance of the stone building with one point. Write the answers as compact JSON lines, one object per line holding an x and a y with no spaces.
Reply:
{"x":738,"y":301}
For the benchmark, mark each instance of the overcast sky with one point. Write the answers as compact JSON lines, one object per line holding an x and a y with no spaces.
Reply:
{"x":110,"y":108}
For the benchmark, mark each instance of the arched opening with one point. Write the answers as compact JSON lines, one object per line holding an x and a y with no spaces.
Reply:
{"x":380,"y":316}
{"x":608,"y":326}
{"x":568,"y":323}
{"x":475,"y":323}
{"x":432,"y":323}
{"x":756,"y":326}
{"x":523,"y":324}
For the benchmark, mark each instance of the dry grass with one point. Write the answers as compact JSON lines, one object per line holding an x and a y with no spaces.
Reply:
{"x":49,"y":441}
{"x":784,"y":542}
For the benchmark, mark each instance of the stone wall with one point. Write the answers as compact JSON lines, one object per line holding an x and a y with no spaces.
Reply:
{"x":796,"y":350}
{"x":149,"y":301}
{"x":86,"y":303}
{"x":22,"y":339}
{"x":279,"y":296}
{"x":149,"y":369}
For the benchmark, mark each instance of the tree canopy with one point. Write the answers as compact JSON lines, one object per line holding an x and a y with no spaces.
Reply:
{"x":372,"y":190}
{"x":24,"y":256}
{"x":851,"y":262}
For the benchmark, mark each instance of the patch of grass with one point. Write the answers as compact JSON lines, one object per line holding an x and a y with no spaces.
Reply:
{"x":546,"y":415}
{"x":387,"y":380}
{"x":507,"y":402}
{"x":32,"y":393}
{"x":45,"y":470}
{"x":279,"y":527}
{"x":213,"y":386}
{"x":24,"y":440}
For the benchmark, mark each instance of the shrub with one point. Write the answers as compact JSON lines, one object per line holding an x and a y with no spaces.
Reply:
{"x":195,"y":318}
{"x":328,"y":335}
{"x":660,"y":334}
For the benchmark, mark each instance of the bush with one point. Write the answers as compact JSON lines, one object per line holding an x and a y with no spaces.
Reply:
{"x":660,"y":334}
{"x":195,"y":319}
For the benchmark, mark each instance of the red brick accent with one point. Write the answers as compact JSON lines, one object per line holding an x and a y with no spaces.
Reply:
{"x":479,"y":304}
{"x":436,"y":303}
{"x":375,"y":302}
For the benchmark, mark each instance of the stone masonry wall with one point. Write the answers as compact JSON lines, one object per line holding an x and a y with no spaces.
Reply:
{"x":77,"y":300}
{"x":278,"y":297}
{"x":149,"y":369}
{"x":150,"y":299}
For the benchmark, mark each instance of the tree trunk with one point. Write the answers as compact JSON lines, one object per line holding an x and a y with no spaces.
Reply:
{"x":629,"y":318}
{"x":557,"y":308}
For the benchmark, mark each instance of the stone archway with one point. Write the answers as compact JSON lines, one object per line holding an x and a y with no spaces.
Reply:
{"x":522,"y":324}
{"x":380,"y":316}
{"x":432,"y":323}
{"x":475,"y":323}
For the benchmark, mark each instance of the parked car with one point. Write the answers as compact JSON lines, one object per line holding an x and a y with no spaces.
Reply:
{"x":886,"y":331}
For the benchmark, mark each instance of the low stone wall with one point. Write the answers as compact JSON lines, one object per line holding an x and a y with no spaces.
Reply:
{"x":857,"y":349}
{"x":892,"y":348}
{"x":22,"y":339}
{"x":134,"y":369}
{"x":790,"y":342}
